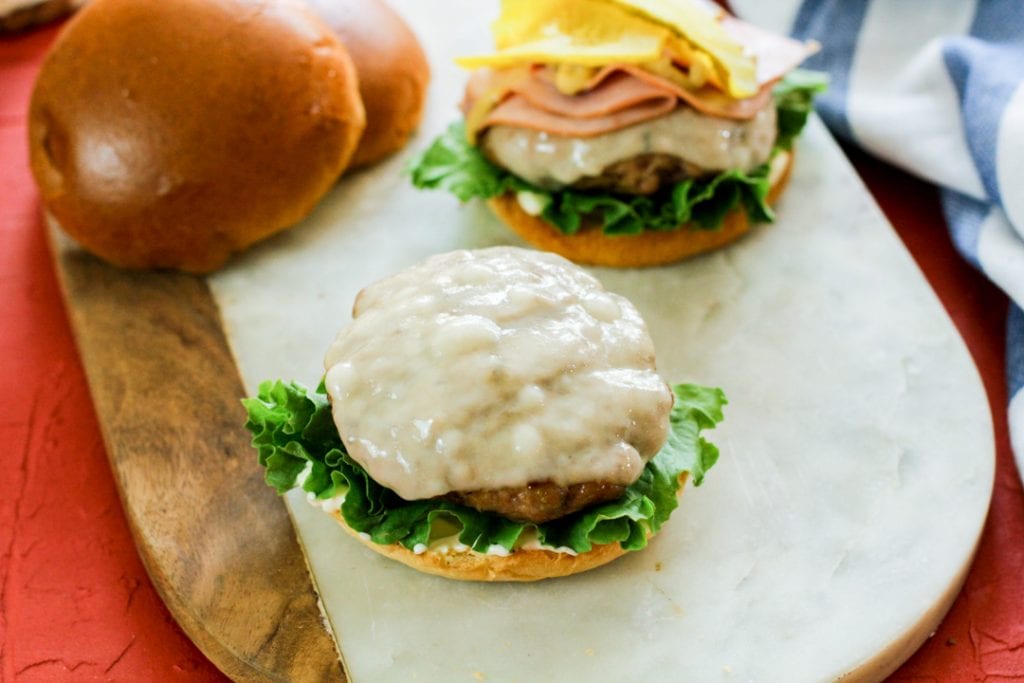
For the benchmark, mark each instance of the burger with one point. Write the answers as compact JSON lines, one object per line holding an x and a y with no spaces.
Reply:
{"x":625,"y":132}
{"x":490,"y":415}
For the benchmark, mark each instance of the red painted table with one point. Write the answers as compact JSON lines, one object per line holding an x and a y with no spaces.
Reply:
{"x":75,"y":601}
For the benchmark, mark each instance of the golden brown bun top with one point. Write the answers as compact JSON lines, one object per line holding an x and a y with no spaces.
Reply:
{"x":591,"y":246}
{"x":393,"y":72}
{"x":171,"y":134}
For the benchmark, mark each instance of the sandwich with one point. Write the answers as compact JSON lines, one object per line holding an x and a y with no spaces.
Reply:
{"x":490,"y":415}
{"x":625,"y":132}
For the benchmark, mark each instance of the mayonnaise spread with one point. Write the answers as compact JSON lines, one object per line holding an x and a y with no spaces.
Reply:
{"x":495,"y":368}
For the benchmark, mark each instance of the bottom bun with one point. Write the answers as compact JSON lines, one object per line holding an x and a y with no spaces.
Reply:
{"x":469,"y":565}
{"x":650,"y":248}
{"x":518,"y":565}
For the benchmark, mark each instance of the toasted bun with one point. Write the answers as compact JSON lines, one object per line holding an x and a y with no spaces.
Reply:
{"x":26,"y":15}
{"x":393,"y":72}
{"x":467,"y":565}
{"x":651,"y":248}
{"x":519,"y":565}
{"x":172,"y":134}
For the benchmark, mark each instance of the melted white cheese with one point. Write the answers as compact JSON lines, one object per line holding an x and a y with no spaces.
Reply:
{"x":713,"y":144}
{"x":496,"y":368}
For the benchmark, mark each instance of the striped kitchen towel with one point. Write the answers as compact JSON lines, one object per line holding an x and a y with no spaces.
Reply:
{"x":934,"y":87}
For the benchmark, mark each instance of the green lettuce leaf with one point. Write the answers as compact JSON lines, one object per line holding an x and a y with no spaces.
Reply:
{"x":702,"y":203}
{"x":297,"y":444}
{"x":451,"y":163}
{"x":794,"y":101}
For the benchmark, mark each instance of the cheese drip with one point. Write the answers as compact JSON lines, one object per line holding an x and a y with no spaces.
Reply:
{"x":496,"y":368}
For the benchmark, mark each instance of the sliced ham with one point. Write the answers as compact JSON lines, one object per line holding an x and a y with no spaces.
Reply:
{"x":624,"y":85}
{"x":775,"y":54}
{"x":517,"y":111}
{"x":622,"y":95}
{"x":613,"y":92}
{"x":616,"y":97}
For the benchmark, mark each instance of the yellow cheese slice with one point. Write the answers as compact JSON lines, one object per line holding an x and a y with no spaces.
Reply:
{"x":658,"y":35}
{"x":736,"y":68}
{"x":582,"y":32}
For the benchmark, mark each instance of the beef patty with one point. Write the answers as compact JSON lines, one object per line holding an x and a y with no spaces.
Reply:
{"x":539,"y":501}
{"x":642,"y":174}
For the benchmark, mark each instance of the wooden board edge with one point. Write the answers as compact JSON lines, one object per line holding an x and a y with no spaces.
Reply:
{"x":240,"y":588}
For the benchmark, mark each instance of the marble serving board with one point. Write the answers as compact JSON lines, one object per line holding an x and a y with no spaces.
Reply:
{"x":856,"y":456}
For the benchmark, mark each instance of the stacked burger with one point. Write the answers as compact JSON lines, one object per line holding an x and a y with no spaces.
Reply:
{"x":667,"y":124}
{"x":490,"y":415}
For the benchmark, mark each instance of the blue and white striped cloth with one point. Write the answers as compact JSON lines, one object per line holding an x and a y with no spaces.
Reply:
{"x":935,"y":87}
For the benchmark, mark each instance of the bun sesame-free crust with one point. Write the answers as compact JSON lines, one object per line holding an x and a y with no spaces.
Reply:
{"x":468,"y":565}
{"x":650,"y":248}
{"x":519,"y":565}
{"x":393,"y":72}
{"x":173,"y":134}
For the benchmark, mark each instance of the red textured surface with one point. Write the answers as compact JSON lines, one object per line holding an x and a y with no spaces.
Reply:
{"x":982,"y":637}
{"x":75,"y":602}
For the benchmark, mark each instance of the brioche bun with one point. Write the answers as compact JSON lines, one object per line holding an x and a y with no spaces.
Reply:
{"x":650,"y":248}
{"x":519,"y":565}
{"x":172,"y":134}
{"x":393,"y":72}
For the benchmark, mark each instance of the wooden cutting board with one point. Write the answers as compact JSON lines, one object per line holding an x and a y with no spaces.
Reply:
{"x":857,"y":453}
{"x":216,"y":541}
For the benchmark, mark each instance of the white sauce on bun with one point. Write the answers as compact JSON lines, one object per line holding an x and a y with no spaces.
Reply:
{"x":495,"y":368}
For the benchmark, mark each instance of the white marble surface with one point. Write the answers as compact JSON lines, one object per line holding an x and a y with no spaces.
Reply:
{"x":857,"y":453}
